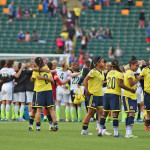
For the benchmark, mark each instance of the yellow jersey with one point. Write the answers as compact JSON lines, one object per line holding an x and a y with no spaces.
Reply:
{"x":95,"y":83}
{"x":146,"y":74}
{"x":129,"y":74}
{"x":77,"y":11}
{"x":112,"y":82}
{"x":41,"y":85}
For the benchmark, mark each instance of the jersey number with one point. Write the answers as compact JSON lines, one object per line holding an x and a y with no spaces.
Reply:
{"x":45,"y":75}
{"x":62,"y":76}
{"x":112,"y":81}
{"x":75,"y":80}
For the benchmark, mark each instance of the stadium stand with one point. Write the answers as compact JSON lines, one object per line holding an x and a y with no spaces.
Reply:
{"x":124,"y":28}
{"x":46,"y":30}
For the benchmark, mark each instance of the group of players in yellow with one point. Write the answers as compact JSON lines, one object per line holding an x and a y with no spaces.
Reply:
{"x":111,"y":100}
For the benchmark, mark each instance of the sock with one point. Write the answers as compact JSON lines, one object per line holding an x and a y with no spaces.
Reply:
{"x":67,"y":112}
{"x":38,"y":124}
{"x":31,"y":120}
{"x":29,"y":113}
{"x":102,"y":123}
{"x":49,"y":118}
{"x":127,"y":120}
{"x":13,"y":111}
{"x":148,"y":122}
{"x":58,"y":112}
{"x":72,"y":113}
{"x":115,"y":125}
{"x":16,"y":112}
{"x":136,"y":114}
{"x":85,"y":126}
{"x":7,"y":111}
{"x":129,"y":126}
{"x":22,"y":111}
{"x":141,"y":114}
{"x":79,"y":113}
{"x":131,"y":120}
{"x":98,"y":125}
{"x":2,"y":111}
{"x":55,"y":124}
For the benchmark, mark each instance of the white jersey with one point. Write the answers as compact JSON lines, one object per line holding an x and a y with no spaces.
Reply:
{"x":62,"y":75}
{"x":6,"y":72}
{"x":74,"y":82}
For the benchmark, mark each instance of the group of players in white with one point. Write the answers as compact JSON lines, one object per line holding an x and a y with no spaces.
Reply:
{"x":16,"y":89}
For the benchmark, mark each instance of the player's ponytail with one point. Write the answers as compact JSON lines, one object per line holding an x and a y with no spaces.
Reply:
{"x":95,"y":61}
{"x":49,"y":64}
{"x":133,"y":61}
{"x":115,"y":65}
{"x":39,"y":62}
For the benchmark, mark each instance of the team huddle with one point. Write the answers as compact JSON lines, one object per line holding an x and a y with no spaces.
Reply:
{"x":43,"y":84}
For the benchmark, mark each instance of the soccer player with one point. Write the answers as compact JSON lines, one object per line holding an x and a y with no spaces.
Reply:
{"x":19,"y":93}
{"x":44,"y":95}
{"x":62,"y":92}
{"x":112,"y":97}
{"x":129,"y":98}
{"x":146,"y":74}
{"x":7,"y":88}
{"x":93,"y":84}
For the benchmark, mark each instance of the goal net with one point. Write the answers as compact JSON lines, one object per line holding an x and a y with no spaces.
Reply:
{"x":28,"y":57}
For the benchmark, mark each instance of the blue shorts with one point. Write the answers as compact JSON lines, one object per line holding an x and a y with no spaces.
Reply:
{"x":130,"y":105}
{"x":112,"y":102}
{"x":95,"y":101}
{"x":146,"y":101}
{"x":34,"y":100}
{"x":44,"y":99}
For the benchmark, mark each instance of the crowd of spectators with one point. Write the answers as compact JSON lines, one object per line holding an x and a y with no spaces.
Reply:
{"x":112,"y":53}
{"x":27,"y":37}
{"x":18,"y":12}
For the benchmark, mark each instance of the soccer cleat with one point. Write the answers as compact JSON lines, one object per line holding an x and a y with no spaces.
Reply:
{"x":38,"y":129}
{"x":79,"y":120}
{"x":118,"y":135}
{"x":8,"y":120}
{"x":58,"y":120}
{"x":2,"y":119}
{"x":17,"y":119}
{"x":105,"y":132}
{"x":97,"y":129}
{"x":67,"y":120}
{"x":85,"y":132}
{"x":92,"y":119}
{"x":146,"y":128}
{"x":30,"y":128}
{"x":131,"y":136}
{"x":99,"y":134}
{"x":21,"y":119}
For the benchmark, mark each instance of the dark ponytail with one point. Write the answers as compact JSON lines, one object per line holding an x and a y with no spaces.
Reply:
{"x":115,"y":65}
{"x":95,"y":61}
{"x":39,"y":62}
{"x":49,"y":64}
{"x":133,"y":61}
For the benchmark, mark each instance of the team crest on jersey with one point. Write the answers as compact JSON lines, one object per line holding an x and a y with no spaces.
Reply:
{"x":144,"y":107}
{"x":131,"y":107}
{"x":93,"y":104}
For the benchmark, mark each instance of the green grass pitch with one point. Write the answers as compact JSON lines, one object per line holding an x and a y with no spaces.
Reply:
{"x":15,"y":136}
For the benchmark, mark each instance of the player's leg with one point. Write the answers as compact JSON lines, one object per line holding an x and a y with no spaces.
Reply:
{"x":79,"y":113}
{"x":38,"y":118}
{"x":59,"y":96}
{"x":29,"y":96}
{"x":22,"y":100}
{"x":8,"y":102}
{"x":3,"y":106}
{"x":116,"y":123}
{"x":45,"y":114}
{"x":16,"y":104}
{"x":72,"y":96}
{"x":31,"y":120}
{"x":67,"y":111}
{"x":49,"y":117}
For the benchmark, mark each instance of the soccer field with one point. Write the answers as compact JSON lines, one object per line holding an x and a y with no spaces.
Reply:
{"x":15,"y":136}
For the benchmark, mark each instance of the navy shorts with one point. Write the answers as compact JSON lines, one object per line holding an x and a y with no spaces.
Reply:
{"x":146,"y":101}
{"x":130,"y":105}
{"x":95,"y":101}
{"x":33,"y":101}
{"x":112,"y":102}
{"x":44,"y":99}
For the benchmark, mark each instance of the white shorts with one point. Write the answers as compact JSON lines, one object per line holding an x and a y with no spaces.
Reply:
{"x":0,"y":96}
{"x":139,"y":97}
{"x":104,"y":88}
{"x":29,"y":96}
{"x":62,"y":94}
{"x":19,"y":97}
{"x":7,"y":93}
